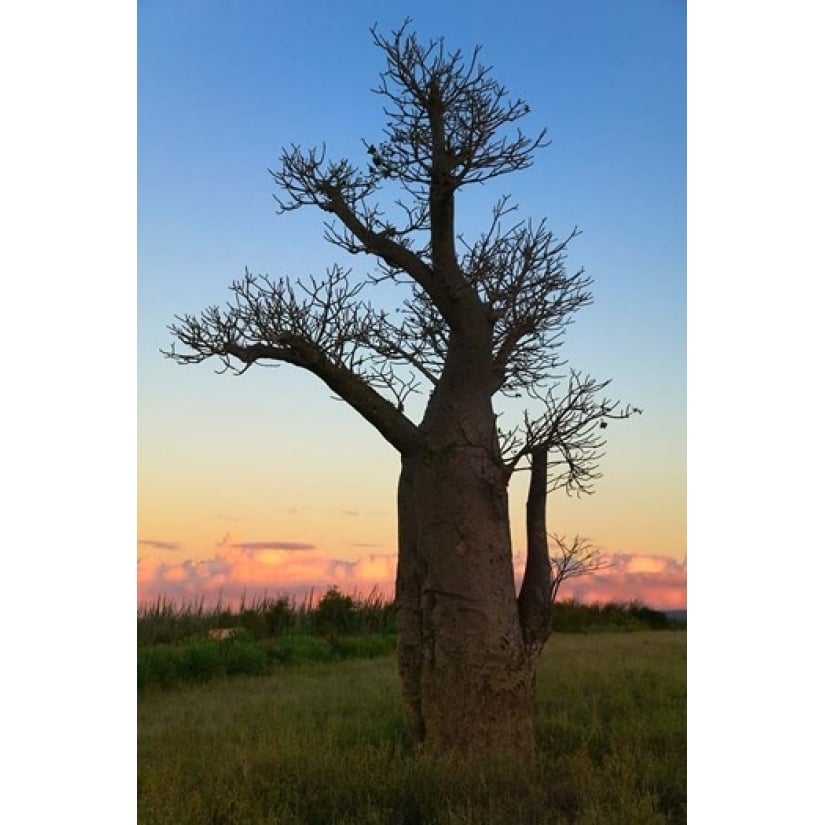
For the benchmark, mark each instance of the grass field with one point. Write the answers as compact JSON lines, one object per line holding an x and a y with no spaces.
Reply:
{"x":324,"y":743}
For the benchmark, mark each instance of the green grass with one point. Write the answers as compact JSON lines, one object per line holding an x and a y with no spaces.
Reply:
{"x":325,"y":743}
{"x":196,"y":659}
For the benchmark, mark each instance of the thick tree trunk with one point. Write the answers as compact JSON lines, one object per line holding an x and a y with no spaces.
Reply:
{"x":468,"y":678}
{"x":476,"y":678}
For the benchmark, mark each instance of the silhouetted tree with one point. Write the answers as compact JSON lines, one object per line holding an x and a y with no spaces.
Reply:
{"x":479,"y":319}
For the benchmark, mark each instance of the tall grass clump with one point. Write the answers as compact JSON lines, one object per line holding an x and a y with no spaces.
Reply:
{"x":165,"y":621}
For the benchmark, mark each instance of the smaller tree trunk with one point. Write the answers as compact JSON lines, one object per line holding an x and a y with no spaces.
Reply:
{"x":535,"y":602}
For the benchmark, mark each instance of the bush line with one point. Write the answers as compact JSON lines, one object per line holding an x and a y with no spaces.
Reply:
{"x":174,"y":646}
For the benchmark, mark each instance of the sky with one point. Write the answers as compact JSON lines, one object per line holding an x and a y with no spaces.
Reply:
{"x":263,"y":482}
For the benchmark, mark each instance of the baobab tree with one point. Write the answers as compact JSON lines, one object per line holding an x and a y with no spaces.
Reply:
{"x":477,"y":320}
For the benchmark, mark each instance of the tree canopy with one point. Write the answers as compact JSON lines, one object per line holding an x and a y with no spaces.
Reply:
{"x":450,"y":125}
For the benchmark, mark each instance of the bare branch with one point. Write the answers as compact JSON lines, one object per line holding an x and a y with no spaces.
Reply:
{"x":571,"y":430}
{"x":520,"y":274}
{"x":308,"y":179}
{"x":581,"y":558}
{"x":319,"y":326}
{"x":446,"y":115}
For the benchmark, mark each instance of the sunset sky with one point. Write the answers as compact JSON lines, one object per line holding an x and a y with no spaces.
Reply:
{"x":265,"y":483}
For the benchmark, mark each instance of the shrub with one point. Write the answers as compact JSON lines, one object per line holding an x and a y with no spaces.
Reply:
{"x":201,"y":662}
{"x":575,"y":617}
{"x":243,"y":657}
{"x":654,"y":619}
{"x":291,"y":649}
{"x":158,"y":666}
{"x":335,"y":613}
{"x":350,"y":647}
{"x":278,"y":616}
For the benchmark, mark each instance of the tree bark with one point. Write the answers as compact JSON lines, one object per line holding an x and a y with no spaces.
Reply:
{"x":408,"y":602}
{"x":468,"y":680}
{"x":476,"y":681}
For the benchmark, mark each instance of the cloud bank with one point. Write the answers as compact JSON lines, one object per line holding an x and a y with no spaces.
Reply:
{"x":292,"y":568}
{"x":257,"y":568}
{"x":657,"y":581}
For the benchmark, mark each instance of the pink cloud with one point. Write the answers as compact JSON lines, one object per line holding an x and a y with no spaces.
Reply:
{"x":258,"y":568}
{"x":656,"y":581}
{"x":296,"y":569}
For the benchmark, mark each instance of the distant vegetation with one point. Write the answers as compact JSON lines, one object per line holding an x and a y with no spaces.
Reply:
{"x":326,"y":742}
{"x":575,"y":617}
{"x":165,"y":621}
{"x":175,"y":647}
